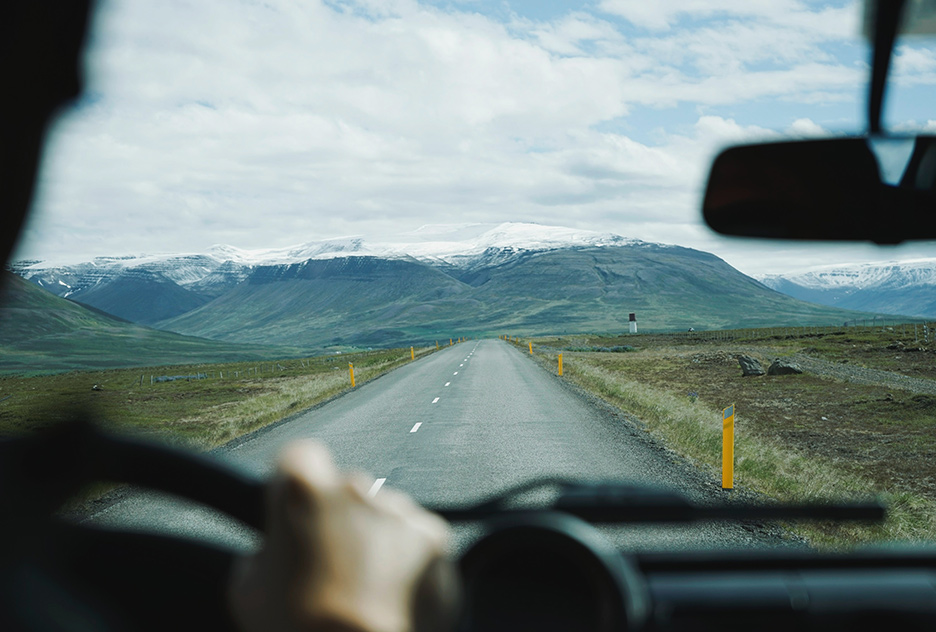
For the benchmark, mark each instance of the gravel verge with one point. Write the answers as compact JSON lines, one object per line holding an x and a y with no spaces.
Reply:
{"x":864,"y":375}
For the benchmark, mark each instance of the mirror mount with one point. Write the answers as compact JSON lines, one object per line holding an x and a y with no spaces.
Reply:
{"x":886,"y":22}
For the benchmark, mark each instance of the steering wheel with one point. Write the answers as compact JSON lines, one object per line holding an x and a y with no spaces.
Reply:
{"x":540,"y":570}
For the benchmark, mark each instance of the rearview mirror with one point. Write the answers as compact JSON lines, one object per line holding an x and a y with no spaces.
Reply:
{"x":860,"y":189}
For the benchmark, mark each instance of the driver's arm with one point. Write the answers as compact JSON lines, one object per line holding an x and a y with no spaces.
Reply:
{"x":336,"y":559}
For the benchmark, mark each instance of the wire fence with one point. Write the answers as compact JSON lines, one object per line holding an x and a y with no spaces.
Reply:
{"x":270,"y":369}
{"x":917,"y":331}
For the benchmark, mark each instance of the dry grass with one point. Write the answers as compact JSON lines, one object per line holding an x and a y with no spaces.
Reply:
{"x":679,"y":399}
{"x":202,"y":414}
{"x":274,"y":400}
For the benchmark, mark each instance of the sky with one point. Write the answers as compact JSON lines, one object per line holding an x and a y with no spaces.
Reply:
{"x":264,"y":124}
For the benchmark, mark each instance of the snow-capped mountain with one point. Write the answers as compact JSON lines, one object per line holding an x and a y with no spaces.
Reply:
{"x":893,"y":287}
{"x":425,"y":285}
{"x":459,"y":245}
{"x":151,"y":288}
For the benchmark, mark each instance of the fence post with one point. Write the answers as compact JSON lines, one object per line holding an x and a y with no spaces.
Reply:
{"x":728,"y":448}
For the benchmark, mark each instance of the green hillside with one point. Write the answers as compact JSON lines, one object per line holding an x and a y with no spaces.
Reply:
{"x":380,"y":302}
{"x":40,"y":332}
{"x":356,"y":300}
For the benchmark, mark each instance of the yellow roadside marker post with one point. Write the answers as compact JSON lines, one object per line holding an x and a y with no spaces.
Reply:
{"x":351,"y":370}
{"x":727,"y":480}
{"x":560,"y":365}
{"x":450,"y":342}
{"x":531,"y":348}
{"x":412,"y":354}
{"x":437,"y":345}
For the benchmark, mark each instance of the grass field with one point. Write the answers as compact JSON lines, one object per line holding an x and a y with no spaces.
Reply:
{"x":817,"y":435}
{"x":233,"y":398}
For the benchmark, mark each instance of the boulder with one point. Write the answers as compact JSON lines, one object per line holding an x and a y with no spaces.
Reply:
{"x":750,"y":366}
{"x":783,"y":367}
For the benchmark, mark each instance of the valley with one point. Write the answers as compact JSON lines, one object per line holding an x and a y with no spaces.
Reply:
{"x":42,"y":333}
{"x":342,"y":294}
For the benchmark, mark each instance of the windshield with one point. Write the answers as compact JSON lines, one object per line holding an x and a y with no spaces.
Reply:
{"x":461,"y":243}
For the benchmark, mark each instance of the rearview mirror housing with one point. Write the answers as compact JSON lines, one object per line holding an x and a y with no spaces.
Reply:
{"x":830,"y":189}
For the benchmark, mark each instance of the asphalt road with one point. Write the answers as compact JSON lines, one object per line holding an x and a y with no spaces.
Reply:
{"x":457,"y":426}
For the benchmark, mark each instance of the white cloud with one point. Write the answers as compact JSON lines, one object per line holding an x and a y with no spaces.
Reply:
{"x":914,"y":66}
{"x":840,"y":21}
{"x":806,"y":128}
{"x":264,"y":124}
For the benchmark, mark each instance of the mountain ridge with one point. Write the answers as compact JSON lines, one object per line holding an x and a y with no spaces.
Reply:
{"x":472,"y":280}
{"x":906,"y":288}
{"x":507,"y":236}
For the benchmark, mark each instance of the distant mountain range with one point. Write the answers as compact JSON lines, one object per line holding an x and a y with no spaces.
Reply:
{"x":523,"y":279}
{"x":907,"y":288}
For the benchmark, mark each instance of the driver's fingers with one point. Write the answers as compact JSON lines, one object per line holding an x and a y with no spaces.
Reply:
{"x":310,"y":463}
{"x":308,"y":476}
{"x":360,"y":484}
{"x":398,"y":504}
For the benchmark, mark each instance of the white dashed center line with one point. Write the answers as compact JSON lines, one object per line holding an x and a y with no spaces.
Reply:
{"x":435,"y":400}
{"x":416,"y":427}
{"x":455,"y":373}
{"x":376,"y":487}
{"x":460,"y":365}
{"x":447,"y":383}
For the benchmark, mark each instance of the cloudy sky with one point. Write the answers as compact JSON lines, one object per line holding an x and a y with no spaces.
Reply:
{"x":264,"y":124}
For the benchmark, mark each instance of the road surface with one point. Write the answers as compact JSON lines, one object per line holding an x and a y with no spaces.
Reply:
{"x":455,"y":426}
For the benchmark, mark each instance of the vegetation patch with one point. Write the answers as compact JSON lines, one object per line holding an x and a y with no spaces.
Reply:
{"x":231,"y":400}
{"x":821,"y":435}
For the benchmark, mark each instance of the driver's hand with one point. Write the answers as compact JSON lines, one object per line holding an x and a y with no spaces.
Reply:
{"x":336,"y":559}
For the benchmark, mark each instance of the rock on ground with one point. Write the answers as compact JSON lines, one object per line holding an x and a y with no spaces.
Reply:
{"x":783,"y":367}
{"x":750,"y":366}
